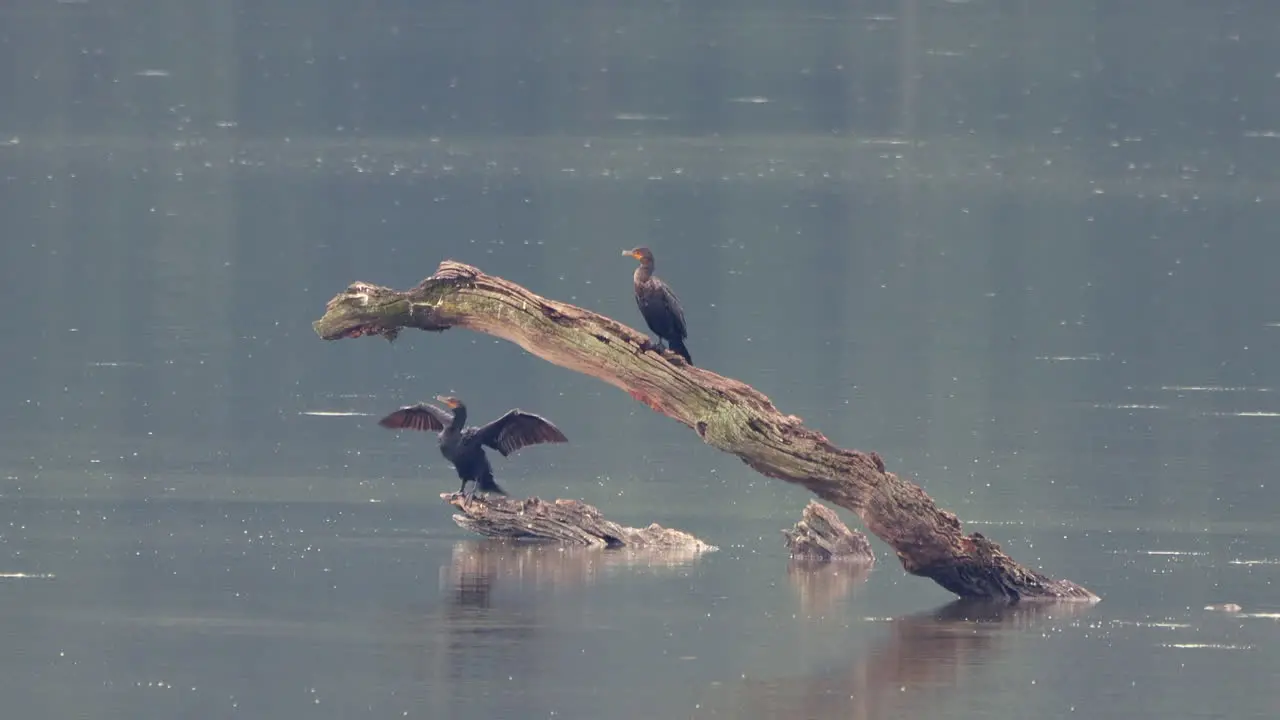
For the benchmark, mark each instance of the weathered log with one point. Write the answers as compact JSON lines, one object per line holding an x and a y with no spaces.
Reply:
{"x":821,"y":536}
{"x":565,"y":521}
{"x":727,"y":414}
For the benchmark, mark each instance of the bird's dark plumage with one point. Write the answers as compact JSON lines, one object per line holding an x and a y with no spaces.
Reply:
{"x":658,"y":304}
{"x":464,"y":446}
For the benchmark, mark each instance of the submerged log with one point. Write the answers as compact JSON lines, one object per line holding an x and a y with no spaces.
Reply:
{"x":565,"y":521}
{"x":726,"y":414}
{"x":820,"y":536}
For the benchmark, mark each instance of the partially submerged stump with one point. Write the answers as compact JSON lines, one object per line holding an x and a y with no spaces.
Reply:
{"x":564,"y":521}
{"x":827,"y":558}
{"x":726,"y":414}
{"x":820,"y":536}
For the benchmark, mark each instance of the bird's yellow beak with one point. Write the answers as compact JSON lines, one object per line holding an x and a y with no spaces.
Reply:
{"x":447,"y":401}
{"x":630,"y":254}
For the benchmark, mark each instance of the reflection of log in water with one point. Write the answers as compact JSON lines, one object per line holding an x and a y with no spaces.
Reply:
{"x":479,"y":565}
{"x":923,"y":652}
{"x":821,"y":586}
{"x":489,"y":628}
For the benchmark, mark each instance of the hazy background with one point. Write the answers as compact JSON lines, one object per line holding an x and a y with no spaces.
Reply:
{"x":1024,"y":250}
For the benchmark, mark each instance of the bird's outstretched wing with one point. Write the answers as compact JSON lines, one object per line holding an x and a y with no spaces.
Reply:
{"x":422,"y":416}
{"x":517,"y":429}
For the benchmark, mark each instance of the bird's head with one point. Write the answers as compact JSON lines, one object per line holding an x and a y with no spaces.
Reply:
{"x":453,"y":402}
{"x":643,"y":254}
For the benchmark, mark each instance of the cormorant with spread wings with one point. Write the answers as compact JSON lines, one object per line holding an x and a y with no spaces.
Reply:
{"x":464,"y":446}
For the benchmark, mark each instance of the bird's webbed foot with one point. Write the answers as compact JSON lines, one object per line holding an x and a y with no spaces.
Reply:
{"x":468,"y":495}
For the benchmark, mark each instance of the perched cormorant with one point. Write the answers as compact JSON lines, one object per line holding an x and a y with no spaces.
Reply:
{"x":464,"y":446}
{"x":659,"y":306}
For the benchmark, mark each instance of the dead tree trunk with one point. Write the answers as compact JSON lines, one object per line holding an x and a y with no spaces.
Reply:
{"x":726,"y":414}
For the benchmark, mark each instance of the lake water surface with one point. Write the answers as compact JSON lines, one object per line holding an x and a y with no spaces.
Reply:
{"x":1026,"y":254}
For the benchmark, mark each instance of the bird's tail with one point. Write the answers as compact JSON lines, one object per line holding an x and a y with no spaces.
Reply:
{"x":487,"y":484}
{"x":679,"y":348}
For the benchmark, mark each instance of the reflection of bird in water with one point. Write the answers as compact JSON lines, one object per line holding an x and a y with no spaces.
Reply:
{"x":659,"y":305}
{"x":464,"y":446}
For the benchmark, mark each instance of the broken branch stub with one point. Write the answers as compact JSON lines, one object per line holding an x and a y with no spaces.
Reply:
{"x":821,"y":536}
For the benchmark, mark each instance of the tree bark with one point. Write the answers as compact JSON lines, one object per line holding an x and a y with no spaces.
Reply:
{"x":727,"y":414}
{"x":565,"y":521}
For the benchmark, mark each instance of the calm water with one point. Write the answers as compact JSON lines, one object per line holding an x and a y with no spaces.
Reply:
{"x":1025,"y":253}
